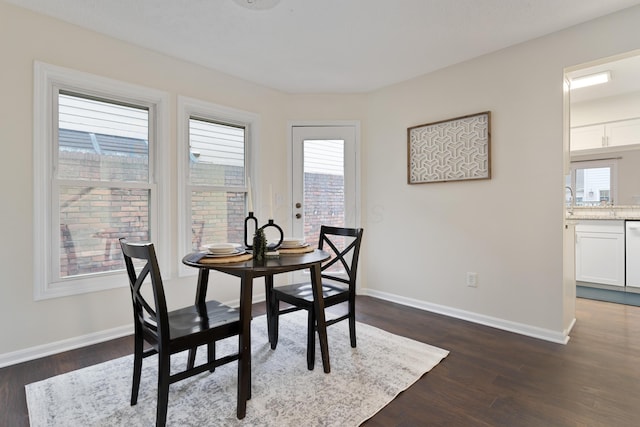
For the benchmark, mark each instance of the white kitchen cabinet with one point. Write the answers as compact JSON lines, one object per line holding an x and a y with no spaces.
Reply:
{"x":600,"y":252}
{"x":610,"y":134}
{"x":623,"y":132}
{"x":586,"y":137}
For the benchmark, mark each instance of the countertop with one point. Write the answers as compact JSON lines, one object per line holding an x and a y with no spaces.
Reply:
{"x":603,"y":213}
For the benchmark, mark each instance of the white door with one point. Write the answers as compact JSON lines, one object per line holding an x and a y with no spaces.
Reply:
{"x":324,"y":179}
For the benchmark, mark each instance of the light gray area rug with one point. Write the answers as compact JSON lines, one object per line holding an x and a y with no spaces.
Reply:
{"x":284,"y":393}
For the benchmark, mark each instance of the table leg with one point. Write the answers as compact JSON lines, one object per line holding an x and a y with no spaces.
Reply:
{"x":244,"y":363}
{"x":318,"y":301}
{"x":203,"y":283}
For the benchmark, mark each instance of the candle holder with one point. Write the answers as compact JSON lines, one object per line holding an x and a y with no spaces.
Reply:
{"x":247,"y":220}
{"x":270,"y":224}
{"x":274,"y":246}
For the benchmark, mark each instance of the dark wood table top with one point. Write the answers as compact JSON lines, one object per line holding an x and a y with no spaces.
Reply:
{"x":282,"y":264}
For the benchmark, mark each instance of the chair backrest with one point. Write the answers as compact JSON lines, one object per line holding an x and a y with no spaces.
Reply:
{"x":344,"y":246}
{"x":150,"y":319}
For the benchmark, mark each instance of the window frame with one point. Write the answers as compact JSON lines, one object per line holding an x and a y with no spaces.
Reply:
{"x":49,"y":80}
{"x":189,"y":108}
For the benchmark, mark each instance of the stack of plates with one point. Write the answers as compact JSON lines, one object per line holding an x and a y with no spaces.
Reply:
{"x":292,"y":242}
{"x":224,"y":249}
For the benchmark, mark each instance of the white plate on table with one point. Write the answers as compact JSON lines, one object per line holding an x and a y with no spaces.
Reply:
{"x":238,"y":251}
{"x":293,"y":246}
{"x":222,"y":248}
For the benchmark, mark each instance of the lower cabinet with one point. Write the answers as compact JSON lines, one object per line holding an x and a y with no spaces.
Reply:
{"x":600,"y":252}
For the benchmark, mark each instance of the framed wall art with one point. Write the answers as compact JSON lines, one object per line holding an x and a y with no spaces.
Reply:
{"x":450,"y":150}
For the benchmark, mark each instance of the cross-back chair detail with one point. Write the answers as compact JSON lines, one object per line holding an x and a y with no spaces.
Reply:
{"x":171,"y":332}
{"x":336,"y":289}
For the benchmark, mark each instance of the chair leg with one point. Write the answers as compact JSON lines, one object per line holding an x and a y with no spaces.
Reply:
{"x":352,"y":331}
{"x":352,"y":324}
{"x":211,"y":354}
{"x":275,"y":321}
{"x":311,"y":339}
{"x":137,"y":368}
{"x":163,"y":389}
{"x":191,"y":360}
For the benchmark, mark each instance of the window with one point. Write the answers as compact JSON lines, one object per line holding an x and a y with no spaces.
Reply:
{"x":593,"y":182}
{"x":214,"y":145}
{"x":96,"y":151}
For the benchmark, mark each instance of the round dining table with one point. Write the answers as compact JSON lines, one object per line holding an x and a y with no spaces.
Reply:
{"x":247,"y":270}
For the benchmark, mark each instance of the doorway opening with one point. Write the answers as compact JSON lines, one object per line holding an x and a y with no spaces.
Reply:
{"x":602,"y":178}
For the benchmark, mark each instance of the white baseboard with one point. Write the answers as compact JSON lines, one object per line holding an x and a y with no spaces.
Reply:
{"x":48,"y":349}
{"x":494,"y":322}
{"x":39,"y":351}
{"x":570,"y":328}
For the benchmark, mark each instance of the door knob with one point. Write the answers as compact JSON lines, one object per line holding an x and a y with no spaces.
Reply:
{"x":298,"y":205}
{"x":298,"y":216}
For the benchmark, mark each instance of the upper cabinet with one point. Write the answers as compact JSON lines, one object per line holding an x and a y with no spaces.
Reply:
{"x":604,"y":135}
{"x":624,"y":132}
{"x":587,"y":137}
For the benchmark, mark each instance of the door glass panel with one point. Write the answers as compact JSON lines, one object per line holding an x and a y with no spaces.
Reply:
{"x":324,"y":195}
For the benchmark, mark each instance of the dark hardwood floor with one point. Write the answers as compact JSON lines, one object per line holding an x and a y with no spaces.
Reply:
{"x":490,"y":378}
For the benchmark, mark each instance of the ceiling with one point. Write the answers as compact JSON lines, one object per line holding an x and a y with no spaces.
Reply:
{"x":625,"y":78}
{"x":325,"y":46}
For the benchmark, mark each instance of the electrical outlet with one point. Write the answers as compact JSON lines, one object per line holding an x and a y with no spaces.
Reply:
{"x":472,"y":279}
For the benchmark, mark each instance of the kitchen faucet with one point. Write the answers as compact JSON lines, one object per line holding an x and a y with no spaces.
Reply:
{"x":570,"y":210}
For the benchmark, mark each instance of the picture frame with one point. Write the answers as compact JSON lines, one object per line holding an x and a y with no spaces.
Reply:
{"x":457,"y":149}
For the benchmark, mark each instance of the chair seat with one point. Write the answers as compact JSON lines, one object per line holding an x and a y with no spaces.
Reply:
{"x":303,"y":291}
{"x":187,"y":321}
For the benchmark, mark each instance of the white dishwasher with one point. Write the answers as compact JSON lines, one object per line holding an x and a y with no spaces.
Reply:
{"x":632,"y":239}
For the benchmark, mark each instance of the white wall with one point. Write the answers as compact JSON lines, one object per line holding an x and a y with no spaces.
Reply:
{"x":419,"y":240}
{"x":508,"y":229}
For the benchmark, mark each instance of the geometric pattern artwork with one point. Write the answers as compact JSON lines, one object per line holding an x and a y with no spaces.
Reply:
{"x":450,"y":150}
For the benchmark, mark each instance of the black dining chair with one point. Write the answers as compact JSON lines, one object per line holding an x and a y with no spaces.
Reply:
{"x":338,"y":286}
{"x":170,"y":332}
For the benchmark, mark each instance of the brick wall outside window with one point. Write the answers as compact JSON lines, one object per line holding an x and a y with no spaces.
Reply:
{"x":92,"y":219}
